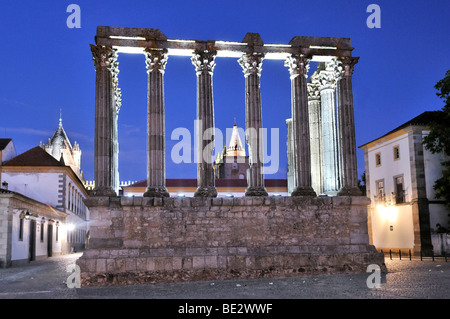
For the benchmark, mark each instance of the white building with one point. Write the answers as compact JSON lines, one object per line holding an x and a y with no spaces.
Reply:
{"x":49,"y":174}
{"x":400,"y":173}
{"x":29,"y":230}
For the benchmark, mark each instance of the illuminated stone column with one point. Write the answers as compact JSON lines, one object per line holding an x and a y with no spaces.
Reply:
{"x":156,"y":60}
{"x":329,"y":128}
{"x":315,"y":130}
{"x":298,"y":69}
{"x":251,"y":65}
{"x":105,"y":66}
{"x":204,"y":67}
{"x":346,"y":127}
{"x":117,"y":104}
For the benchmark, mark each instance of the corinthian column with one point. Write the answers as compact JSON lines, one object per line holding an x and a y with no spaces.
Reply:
{"x":204,"y":67}
{"x":298,"y":69}
{"x":251,"y":65}
{"x":315,"y":130}
{"x":346,"y":127}
{"x":105,"y":66}
{"x":117,"y":104}
{"x":329,"y":131}
{"x":156,"y":60}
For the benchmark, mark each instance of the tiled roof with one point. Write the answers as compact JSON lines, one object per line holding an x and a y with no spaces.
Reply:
{"x":34,"y":157}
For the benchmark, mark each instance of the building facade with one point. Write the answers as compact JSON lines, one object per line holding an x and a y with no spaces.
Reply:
{"x":400,"y":174}
{"x":30,"y":230}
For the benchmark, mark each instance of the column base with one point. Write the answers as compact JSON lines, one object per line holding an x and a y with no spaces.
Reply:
{"x":206,"y":191}
{"x":304,"y":191}
{"x":256,"y":191}
{"x":103,"y":192}
{"x":349,"y":191}
{"x":159,"y":191}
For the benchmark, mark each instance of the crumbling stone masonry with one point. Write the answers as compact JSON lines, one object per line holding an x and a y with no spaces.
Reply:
{"x":145,"y":240}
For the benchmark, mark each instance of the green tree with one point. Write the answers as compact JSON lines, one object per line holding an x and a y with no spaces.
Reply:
{"x":439,"y":138}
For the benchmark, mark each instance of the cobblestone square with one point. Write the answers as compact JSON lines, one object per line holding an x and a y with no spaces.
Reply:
{"x":405,"y":279}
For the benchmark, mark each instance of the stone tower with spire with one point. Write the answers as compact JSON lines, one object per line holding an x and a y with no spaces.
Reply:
{"x":232,"y":162}
{"x":59,"y":147}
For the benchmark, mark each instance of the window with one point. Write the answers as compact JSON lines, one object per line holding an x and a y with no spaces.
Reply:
{"x":399,"y":191}
{"x":396,"y":153}
{"x":378,"y":159}
{"x":21,"y":229}
{"x":42,"y":232}
{"x":380,"y":190}
{"x":57,"y":231}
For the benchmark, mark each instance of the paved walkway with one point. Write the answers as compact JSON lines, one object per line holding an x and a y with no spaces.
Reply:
{"x":405,"y":279}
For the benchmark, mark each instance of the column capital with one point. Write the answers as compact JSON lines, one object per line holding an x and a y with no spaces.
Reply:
{"x":313,"y":87}
{"x":298,"y":64}
{"x":251,"y":63}
{"x":344,"y":66}
{"x":103,"y":56}
{"x":204,"y":61}
{"x":156,"y":59}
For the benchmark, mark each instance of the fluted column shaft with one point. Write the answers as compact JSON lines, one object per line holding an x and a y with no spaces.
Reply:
{"x":204,"y":66}
{"x":346,"y":128}
{"x":251,"y":65}
{"x":298,"y":67}
{"x":315,"y":129}
{"x":327,"y":87}
{"x":156,"y":60}
{"x":105,"y":63}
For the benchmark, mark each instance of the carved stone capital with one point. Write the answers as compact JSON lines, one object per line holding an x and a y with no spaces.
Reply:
{"x":103,"y":56}
{"x":204,"y":61}
{"x":344,"y":66}
{"x":156,"y":59}
{"x":313,"y":87}
{"x":251,"y":63}
{"x":326,"y":80}
{"x":298,"y":65}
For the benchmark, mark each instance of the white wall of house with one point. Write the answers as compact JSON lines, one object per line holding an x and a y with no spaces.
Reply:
{"x":392,"y":226}
{"x":20,"y":248}
{"x":8,"y":152}
{"x":40,"y":186}
{"x":389,"y":167}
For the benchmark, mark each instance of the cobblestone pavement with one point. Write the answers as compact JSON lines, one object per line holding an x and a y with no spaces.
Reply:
{"x":405,"y":279}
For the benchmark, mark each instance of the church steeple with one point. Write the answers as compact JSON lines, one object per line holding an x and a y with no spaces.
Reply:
{"x":235,"y":147}
{"x":60,"y":148}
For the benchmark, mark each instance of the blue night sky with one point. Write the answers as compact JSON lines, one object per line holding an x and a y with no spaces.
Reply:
{"x":46,"y":66}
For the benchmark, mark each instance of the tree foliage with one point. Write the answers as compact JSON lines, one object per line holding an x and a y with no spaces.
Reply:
{"x":438,"y":140}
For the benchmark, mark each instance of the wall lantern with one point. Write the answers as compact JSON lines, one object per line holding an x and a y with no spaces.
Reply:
{"x":57,"y":223}
{"x":27,"y":215}
{"x":43,"y":220}
{"x":5,"y":185}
